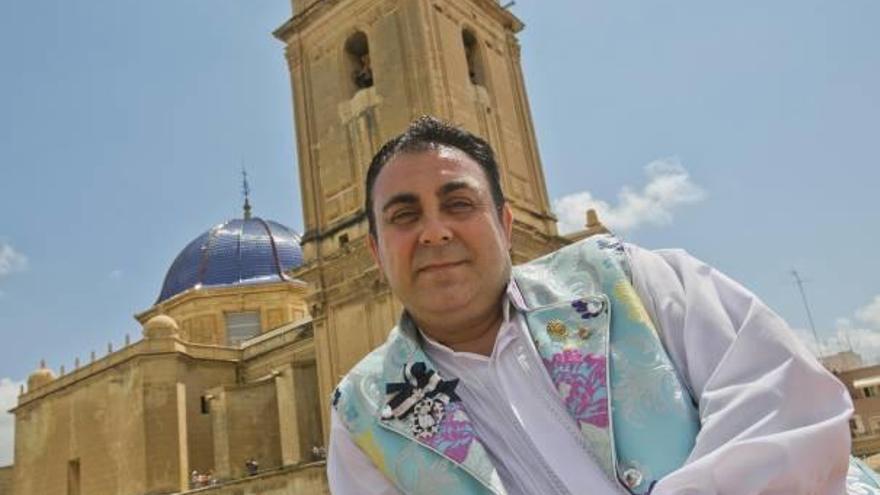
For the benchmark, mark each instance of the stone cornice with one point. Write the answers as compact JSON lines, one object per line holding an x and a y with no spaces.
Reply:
{"x":207,"y":292}
{"x":302,"y":19}
{"x":142,"y":348}
{"x":298,"y":332}
{"x":503,"y":16}
{"x":347,"y":221}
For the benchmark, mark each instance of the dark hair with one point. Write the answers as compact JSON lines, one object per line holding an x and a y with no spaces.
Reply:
{"x":427,"y":133}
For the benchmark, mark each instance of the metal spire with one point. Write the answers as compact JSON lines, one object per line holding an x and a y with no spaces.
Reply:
{"x":800,"y":284}
{"x":246,"y":191}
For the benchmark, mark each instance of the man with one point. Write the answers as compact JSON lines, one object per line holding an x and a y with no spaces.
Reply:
{"x":599,"y":369}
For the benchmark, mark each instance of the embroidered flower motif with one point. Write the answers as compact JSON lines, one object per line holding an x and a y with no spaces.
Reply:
{"x":580,"y":379}
{"x":417,"y":473}
{"x":646,"y":383}
{"x":635,"y":310}
{"x":454,"y":435}
{"x":589,"y":308}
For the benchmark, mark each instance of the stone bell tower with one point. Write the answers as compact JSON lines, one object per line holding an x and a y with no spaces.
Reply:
{"x":360,"y":71}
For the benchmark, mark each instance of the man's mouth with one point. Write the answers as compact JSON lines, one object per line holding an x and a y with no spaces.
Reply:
{"x":436,"y":267}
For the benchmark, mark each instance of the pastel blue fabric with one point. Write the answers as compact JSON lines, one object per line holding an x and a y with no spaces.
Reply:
{"x":414,"y":465}
{"x":861,"y":480}
{"x":601,"y":351}
{"x":654,"y":420}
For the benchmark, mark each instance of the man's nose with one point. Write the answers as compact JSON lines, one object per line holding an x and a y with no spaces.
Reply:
{"x":434,"y":233}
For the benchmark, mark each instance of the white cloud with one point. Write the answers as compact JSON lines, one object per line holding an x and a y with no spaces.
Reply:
{"x":669,"y":187}
{"x":864,"y":341}
{"x":861,"y":334}
{"x":116,"y":274}
{"x":11,"y":260}
{"x":8,"y":400}
{"x":870,"y":313}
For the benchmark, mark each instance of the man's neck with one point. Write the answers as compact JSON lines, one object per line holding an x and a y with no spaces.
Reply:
{"x":477,"y":337}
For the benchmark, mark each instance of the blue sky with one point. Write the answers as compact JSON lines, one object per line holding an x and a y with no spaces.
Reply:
{"x":745,"y":132}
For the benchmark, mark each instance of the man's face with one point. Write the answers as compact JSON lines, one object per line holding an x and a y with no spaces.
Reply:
{"x":439,"y":239}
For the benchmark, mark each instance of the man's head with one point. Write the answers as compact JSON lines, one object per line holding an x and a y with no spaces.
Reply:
{"x":426,"y":133}
{"x":439,"y":226}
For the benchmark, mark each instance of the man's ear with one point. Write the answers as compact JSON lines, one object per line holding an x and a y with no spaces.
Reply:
{"x":373,"y":246}
{"x":507,"y":223}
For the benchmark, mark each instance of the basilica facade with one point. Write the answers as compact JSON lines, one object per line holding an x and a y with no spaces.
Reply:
{"x":227,"y":390}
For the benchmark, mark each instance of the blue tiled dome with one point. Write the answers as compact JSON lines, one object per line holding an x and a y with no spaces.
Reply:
{"x":240,"y":251}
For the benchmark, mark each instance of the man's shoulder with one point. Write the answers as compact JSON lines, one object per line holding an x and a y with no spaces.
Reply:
{"x":367,"y":370}
{"x":570,"y":270}
{"x":664,"y":262}
{"x":671,"y":253}
{"x":373,"y":361}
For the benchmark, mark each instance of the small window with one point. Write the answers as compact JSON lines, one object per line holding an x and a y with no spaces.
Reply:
{"x":870,"y":391}
{"x":874,"y":424}
{"x":343,"y":240}
{"x":206,"y":405}
{"x":473,"y":57}
{"x":241,"y":327}
{"x":357,"y":54}
{"x":856,"y":426}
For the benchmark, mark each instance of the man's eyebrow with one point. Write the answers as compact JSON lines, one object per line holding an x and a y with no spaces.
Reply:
{"x":404,"y":198}
{"x":454,"y":186}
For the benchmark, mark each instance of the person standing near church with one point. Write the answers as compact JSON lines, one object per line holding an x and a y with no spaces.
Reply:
{"x":601,"y":368}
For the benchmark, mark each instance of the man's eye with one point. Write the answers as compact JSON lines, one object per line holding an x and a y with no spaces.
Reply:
{"x":459,"y":206}
{"x":403,"y":216}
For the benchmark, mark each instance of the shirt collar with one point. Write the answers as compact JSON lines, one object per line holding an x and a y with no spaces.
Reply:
{"x":512,"y":299}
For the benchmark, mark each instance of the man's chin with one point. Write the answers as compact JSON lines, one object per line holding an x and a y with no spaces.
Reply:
{"x":445,"y":303}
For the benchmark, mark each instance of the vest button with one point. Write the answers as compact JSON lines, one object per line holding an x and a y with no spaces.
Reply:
{"x":632,"y":477}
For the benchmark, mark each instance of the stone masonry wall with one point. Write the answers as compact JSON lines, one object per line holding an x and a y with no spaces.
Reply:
{"x":6,"y":473}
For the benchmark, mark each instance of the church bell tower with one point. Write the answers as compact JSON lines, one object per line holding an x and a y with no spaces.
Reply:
{"x":360,"y":71}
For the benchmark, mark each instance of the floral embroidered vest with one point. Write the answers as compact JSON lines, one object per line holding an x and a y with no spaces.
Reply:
{"x":600,"y":349}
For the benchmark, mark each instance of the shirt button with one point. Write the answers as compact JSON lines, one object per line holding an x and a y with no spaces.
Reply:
{"x":632,"y":477}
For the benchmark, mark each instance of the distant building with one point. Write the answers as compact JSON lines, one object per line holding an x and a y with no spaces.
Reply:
{"x":842,"y":361}
{"x":224,"y":372}
{"x":864,"y":388}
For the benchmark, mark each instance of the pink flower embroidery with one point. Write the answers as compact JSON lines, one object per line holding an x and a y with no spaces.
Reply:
{"x":455,"y":434}
{"x":580,"y":379}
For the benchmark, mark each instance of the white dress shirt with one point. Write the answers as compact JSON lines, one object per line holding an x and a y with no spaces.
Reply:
{"x":773,"y":420}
